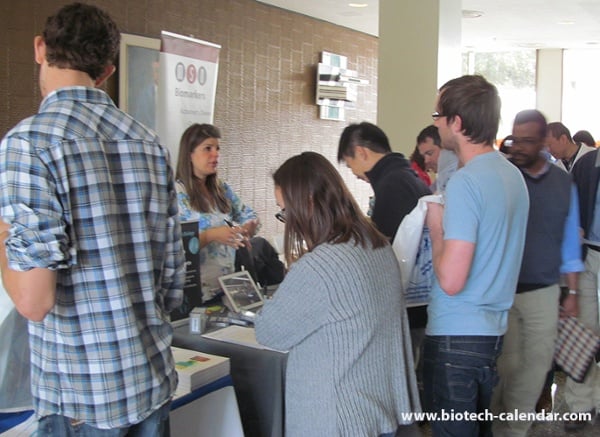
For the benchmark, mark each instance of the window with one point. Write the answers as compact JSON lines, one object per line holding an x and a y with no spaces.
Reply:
{"x":580,"y":90}
{"x":513,"y":73}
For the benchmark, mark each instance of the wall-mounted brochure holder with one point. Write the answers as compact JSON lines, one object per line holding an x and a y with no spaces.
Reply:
{"x":337,"y":86}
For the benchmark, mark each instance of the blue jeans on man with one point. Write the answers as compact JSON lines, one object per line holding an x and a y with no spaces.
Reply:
{"x":459,"y":377}
{"x":155,"y":425}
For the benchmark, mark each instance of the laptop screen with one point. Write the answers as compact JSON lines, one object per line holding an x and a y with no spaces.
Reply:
{"x":241,"y":291}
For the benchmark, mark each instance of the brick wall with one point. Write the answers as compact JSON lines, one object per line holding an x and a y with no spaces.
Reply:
{"x":265,"y":102}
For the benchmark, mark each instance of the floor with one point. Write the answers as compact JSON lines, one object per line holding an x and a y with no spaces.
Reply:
{"x":556,"y":429}
{"x":550,"y":429}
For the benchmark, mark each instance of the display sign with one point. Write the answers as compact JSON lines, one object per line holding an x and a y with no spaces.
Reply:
{"x":187,"y":86}
{"x":192,"y":290}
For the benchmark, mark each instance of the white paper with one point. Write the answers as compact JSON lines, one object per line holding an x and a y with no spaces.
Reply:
{"x":237,"y":335}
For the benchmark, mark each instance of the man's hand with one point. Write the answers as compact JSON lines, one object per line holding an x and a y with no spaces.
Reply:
{"x":33,"y":291}
{"x":570,"y":306}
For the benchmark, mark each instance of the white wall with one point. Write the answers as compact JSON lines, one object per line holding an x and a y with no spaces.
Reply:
{"x":549,"y":83}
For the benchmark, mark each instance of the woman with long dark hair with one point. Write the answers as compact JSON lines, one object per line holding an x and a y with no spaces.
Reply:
{"x":225,"y":222}
{"x":338,"y":311}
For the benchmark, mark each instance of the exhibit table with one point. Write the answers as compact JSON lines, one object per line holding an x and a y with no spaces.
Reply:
{"x":258,"y":379}
{"x":209,"y":411}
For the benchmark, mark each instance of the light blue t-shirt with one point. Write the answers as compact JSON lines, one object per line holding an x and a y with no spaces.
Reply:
{"x":487,"y":204}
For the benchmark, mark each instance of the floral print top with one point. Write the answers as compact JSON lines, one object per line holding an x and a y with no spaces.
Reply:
{"x":216,"y":259}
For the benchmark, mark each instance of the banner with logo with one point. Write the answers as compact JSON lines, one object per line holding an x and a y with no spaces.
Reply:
{"x":192,"y":289}
{"x":187,"y":86}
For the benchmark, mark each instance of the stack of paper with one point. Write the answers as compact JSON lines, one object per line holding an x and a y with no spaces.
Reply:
{"x":196,"y":369}
{"x":238,"y":335}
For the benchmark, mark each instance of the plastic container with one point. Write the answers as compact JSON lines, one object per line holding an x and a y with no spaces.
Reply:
{"x":198,"y":319}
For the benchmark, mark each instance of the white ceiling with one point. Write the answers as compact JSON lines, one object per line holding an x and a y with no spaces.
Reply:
{"x":505,"y":24}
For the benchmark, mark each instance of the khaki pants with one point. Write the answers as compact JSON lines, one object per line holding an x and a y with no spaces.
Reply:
{"x":581,"y":397}
{"x":526,"y":356}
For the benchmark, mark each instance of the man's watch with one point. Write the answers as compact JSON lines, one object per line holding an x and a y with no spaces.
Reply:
{"x":572,"y":291}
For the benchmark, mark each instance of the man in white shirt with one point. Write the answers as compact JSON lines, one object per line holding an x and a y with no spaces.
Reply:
{"x":562,"y":147}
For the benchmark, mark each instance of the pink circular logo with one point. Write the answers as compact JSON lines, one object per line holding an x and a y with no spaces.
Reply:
{"x":191,"y":73}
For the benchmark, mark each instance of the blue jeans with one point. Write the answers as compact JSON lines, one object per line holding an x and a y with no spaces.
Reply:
{"x":459,"y":376}
{"x":155,"y":425}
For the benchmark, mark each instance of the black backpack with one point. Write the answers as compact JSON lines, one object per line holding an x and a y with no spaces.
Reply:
{"x":262,"y":262}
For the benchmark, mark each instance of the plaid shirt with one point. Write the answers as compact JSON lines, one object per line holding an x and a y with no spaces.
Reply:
{"x":89,"y":192}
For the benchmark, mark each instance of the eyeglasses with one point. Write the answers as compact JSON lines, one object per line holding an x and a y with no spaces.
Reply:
{"x":281,"y":216}
{"x":525,"y":142}
{"x":436,"y":116}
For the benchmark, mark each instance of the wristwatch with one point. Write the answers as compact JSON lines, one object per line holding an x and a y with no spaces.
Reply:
{"x":572,"y":291}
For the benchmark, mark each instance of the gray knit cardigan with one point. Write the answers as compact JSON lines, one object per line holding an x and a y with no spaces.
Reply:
{"x":340,"y":314}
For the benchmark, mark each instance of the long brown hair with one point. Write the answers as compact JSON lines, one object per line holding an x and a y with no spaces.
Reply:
{"x":319,"y":208}
{"x":203,"y":197}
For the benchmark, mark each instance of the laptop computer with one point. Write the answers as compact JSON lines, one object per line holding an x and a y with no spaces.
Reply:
{"x":242,"y":293}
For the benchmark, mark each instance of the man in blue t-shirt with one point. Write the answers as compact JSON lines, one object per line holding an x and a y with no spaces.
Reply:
{"x":477,"y":241}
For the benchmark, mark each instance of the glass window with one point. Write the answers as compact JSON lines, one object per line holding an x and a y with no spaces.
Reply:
{"x":581,"y":93}
{"x":513,"y":73}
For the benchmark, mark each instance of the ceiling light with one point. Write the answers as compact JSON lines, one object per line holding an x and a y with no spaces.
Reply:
{"x":530,"y":45}
{"x":358,"y":5}
{"x":566,"y":22}
{"x":467,"y":13}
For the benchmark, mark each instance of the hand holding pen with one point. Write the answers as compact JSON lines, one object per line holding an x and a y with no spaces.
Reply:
{"x":238,"y":236}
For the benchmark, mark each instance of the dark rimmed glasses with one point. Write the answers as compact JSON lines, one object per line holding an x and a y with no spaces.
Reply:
{"x":436,"y":116}
{"x":281,"y":215}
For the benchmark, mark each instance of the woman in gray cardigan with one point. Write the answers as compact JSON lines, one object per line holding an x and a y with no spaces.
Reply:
{"x":339,"y":312}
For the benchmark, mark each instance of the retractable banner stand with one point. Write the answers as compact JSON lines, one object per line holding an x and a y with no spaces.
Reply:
{"x":187,"y":86}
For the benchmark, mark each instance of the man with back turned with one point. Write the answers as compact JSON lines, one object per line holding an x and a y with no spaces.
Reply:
{"x":90,"y":245}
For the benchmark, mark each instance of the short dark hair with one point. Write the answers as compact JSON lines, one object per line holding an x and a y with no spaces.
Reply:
{"x":557,"y":130}
{"x":365,"y":135}
{"x":476,"y":102}
{"x":81,"y":37}
{"x":430,"y":132}
{"x":584,"y":137}
{"x":533,"y":116}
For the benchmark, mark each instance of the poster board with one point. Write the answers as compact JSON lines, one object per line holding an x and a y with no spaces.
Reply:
{"x":192,"y":289}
